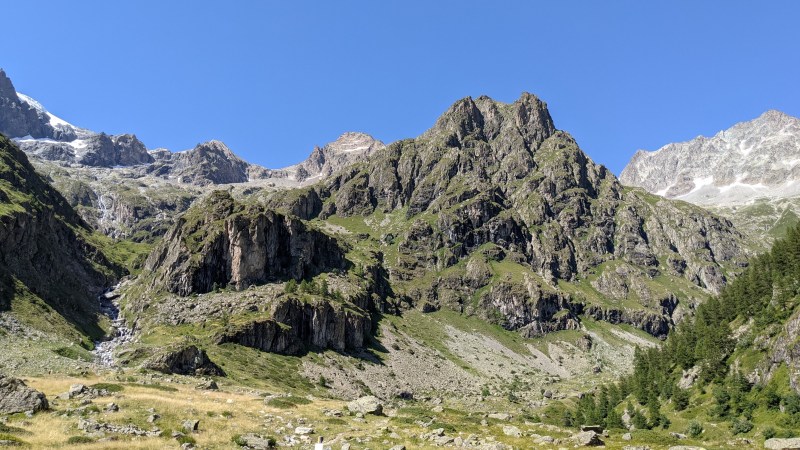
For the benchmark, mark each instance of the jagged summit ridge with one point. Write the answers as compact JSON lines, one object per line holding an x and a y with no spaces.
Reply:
{"x":755,"y":159}
{"x":485,"y":117}
{"x":349,"y":148}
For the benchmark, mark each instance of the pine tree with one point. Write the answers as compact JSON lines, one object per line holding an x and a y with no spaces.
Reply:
{"x":680,"y":399}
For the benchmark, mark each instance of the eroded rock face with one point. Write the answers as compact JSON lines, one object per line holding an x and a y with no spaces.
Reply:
{"x":16,"y":397}
{"x":294,"y":326}
{"x":184,"y":360}
{"x":223,"y":243}
{"x":91,"y":149}
{"x":784,"y":349}
{"x":751,"y":159}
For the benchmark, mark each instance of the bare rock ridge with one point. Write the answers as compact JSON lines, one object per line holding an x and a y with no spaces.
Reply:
{"x":224,"y":243}
{"x":502,"y":174}
{"x":40,"y":133}
{"x":755,"y":159}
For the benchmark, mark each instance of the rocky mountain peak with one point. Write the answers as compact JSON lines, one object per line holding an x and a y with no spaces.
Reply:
{"x":754,"y":159}
{"x":6,"y":86}
{"x":211,"y":162}
{"x":18,"y":118}
{"x":485,"y":118}
{"x":463,"y":118}
{"x":349,"y":148}
{"x":353,"y":141}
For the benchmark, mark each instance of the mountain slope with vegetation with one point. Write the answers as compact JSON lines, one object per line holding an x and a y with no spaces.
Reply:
{"x":52,"y":264}
{"x":731,"y":370}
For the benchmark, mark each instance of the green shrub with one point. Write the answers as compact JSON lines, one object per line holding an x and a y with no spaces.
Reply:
{"x":287,"y":402}
{"x":79,"y":440}
{"x":10,"y":438}
{"x":71,"y":353}
{"x":741,"y":426}
{"x":184,"y":439}
{"x":694,"y":430}
{"x":769,"y":433}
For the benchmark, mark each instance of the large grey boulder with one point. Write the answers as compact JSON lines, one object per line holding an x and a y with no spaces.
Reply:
{"x":782,"y":444}
{"x":587,"y":439}
{"x":184,"y":360}
{"x":366,"y":405}
{"x":255,"y":442}
{"x":16,"y":397}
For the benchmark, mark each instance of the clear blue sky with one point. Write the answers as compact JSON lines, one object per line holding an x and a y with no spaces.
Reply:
{"x":273,"y":79}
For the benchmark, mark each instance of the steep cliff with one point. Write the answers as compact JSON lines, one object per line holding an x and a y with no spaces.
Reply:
{"x":222,"y":242}
{"x":43,"y":240}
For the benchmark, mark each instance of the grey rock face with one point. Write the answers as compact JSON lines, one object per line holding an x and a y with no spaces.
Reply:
{"x":240,"y":249}
{"x":759,"y":158}
{"x":294,"y":326}
{"x":16,"y":397}
{"x":95,"y":150}
{"x":185,"y":360}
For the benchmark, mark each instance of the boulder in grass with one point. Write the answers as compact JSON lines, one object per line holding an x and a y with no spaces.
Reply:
{"x":184,"y":360}
{"x":587,"y":439}
{"x":366,"y":405}
{"x":782,"y":444}
{"x":17,"y":397}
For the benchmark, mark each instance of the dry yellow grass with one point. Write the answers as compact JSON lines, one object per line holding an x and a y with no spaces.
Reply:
{"x":231,"y":411}
{"x":222,"y":415}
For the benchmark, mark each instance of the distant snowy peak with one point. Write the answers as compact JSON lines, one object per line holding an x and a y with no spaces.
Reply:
{"x":755,"y":159}
{"x":52,"y":119}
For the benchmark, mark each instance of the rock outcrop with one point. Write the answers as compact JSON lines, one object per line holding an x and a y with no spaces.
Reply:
{"x":184,"y":360}
{"x":17,"y":397}
{"x":292,"y":327}
{"x":222,"y":243}
{"x":19,"y":118}
{"x":366,"y":405}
